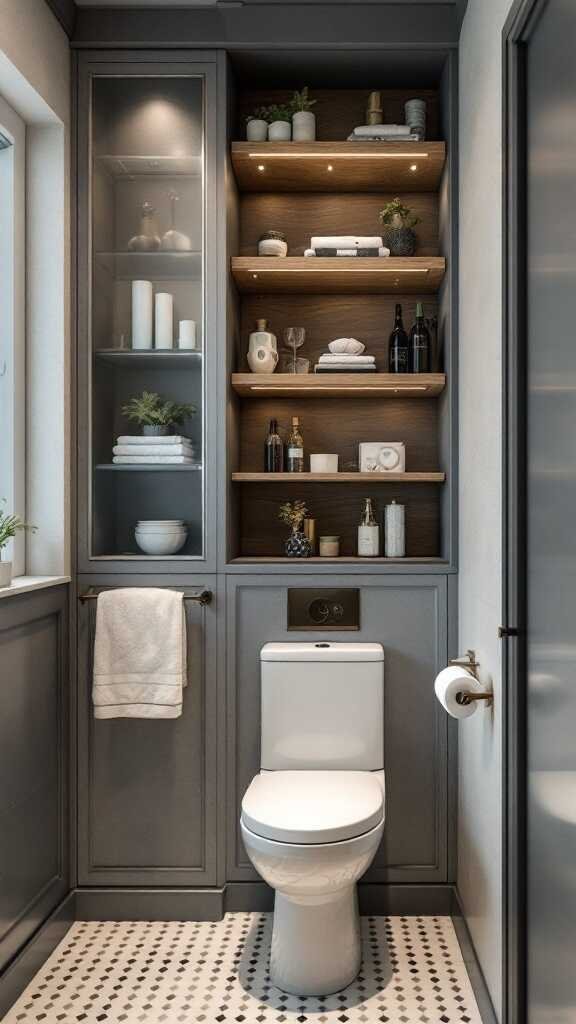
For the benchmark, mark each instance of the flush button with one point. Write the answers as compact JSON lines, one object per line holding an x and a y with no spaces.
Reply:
{"x":321,"y":608}
{"x":322,"y":645}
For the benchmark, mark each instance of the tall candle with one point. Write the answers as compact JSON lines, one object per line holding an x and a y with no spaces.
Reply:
{"x":164,"y":325}
{"x":142,"y":303}
{"x":187,"y":334}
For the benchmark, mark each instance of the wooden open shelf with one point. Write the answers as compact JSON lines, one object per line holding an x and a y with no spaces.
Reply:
{"x":354,"y":559}
{"x":339,"y":478}
{"x":339,"y":385}
{"x":338,"y":166}
{"x":356,"y":274}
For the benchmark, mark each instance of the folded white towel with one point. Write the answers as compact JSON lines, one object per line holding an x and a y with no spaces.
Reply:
{"x":346,"y":242}
{"x":139,"y":653}
{"x":376,"y":130}
{"x":413,"y":137}
{"x":344,"y":357}
{"x":153,"y":449}
{"x":382,"y":251}
{"x":141,"y":439}
{"x":153,"y":460}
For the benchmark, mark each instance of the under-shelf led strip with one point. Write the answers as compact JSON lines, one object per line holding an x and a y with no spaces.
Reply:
{"x":338,"y":156}
{"x":339,"y":387}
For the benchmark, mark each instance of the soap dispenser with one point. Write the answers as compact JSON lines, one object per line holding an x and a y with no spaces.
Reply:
{"x":262,"y":349}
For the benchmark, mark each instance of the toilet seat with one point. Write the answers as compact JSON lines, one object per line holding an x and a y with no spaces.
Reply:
{"x":304,"y":807}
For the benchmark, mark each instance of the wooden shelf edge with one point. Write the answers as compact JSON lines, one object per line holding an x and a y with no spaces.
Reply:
{"x":339,"y":478}
{"x":354,"y":275}
{"x":350,"y":559}
{"x":342,"y":385}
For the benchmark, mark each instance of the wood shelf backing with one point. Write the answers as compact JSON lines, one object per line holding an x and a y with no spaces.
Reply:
{"x":355,"y":166}
{"x":341,"y":385}
{"x":339,"y":478}
{"x":338,"y":274}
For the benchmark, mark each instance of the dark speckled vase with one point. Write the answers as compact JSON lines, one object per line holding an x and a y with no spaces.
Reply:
{"x":298,"y":545}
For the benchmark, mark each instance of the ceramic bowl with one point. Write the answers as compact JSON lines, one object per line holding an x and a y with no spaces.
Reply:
{"x":160,"y":543}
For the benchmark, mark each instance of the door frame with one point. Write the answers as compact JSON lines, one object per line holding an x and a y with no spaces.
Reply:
{"x":515,"y":36}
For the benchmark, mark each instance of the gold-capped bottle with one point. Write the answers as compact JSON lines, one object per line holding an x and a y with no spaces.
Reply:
{"x":295,"y":449}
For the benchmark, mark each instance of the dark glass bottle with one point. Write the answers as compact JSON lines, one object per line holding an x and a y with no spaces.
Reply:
{"x":398,"y":348}
{"x":273,"y":450}
{"x":420,"y":344}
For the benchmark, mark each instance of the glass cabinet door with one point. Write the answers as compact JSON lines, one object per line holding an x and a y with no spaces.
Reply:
{"x":146,"y":316}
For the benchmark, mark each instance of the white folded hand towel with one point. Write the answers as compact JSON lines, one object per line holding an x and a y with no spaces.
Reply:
{"x":153,"y":460}
{"x":345,"y":357}
{"x":139,"y":653}
{"x":382,"y":251}
{"x":142,"y":439}
{"x":376,"y":130}
{"x":346,"y":242}
{"x":152,"y":449}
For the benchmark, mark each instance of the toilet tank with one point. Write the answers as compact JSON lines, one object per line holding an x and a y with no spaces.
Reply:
{"x":322,"y":706}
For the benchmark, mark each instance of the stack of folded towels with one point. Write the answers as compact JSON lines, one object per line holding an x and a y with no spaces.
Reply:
{"x":139,"y":450}
{"x":347,"y":245}
{"x":383,"y":133}
{"x":345,"y":355}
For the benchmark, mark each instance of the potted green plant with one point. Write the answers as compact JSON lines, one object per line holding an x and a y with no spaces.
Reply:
{"x":257,"y":125}
{"x":279,"y":123}
{"x":399,"y":224}
{"x":303,"y":119}
{"x":9,"y":527}
{"x":156,"y":415}
{"x":293,"y":514}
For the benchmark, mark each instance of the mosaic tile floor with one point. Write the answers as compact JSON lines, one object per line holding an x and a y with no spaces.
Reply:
{"x":181,"y":972}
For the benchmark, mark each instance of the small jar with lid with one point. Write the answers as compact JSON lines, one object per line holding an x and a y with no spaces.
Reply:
{"x":273,"y":243}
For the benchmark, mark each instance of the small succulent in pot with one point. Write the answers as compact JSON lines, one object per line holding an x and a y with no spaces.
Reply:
{"x":399,"y":224}
{"x":10,"y":525}
{"x":293,"y":514}
{"x":156,"y":415}
{"x":303,"y":119}
{"x":257,"y":125}
{"x":280,"y":123}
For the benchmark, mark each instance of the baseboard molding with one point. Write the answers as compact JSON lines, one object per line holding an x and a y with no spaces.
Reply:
{"x":473,"y":968}
{"x":405,"y":900}
{"x":149,"y":904}
{"x":28,"y":962}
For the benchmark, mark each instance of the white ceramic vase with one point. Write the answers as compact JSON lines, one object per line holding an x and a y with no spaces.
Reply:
{"x":5,"y":574}
{"x":280,"y":131}
{"x":303,"y":126}
{"x":257,"y":130}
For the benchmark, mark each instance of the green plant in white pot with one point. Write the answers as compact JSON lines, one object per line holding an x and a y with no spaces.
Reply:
{"x":280,"y":123}
{"x":9,"y":527}
{"x":257,"y":125}
{"x":156,"y":415}
{"x":303,"y":117}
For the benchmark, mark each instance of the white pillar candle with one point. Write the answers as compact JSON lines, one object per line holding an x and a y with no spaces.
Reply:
{"x":394,"y":532}
{"x":164,"y":326}
{"x":187,"y":334}
{"x":142,"y":305}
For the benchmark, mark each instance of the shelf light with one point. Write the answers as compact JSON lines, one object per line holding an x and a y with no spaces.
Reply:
{"x":330,"y":167}
{"x":345,"y":270}
{"x":261,"y":167}
{"x":413,"y":167}
{"x":338,"y":387}
{"x":341,"y":156}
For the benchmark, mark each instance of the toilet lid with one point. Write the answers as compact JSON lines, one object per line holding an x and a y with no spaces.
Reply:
{"x":313,"y":807}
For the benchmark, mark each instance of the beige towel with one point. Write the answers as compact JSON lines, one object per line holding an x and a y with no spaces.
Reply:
{"x":139,"y":653}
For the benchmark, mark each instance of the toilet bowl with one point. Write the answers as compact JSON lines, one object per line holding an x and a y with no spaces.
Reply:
{"x":313,"y":818}
{"x":311,"y":836}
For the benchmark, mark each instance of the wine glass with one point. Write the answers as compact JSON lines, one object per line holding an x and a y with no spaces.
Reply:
{"x":294,"y":338}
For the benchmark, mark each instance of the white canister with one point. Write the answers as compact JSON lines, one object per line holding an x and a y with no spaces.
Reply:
{"x":279,"y":131}
{"x":273,"y":243}
{"x":323,"y":463}
{"x":142,"y":314}
{"x":256,"y":130}
{"x":164,"y":321}
{"x":394,"y":531}
{"x":187,"y":334}
{"x":303,"y":126}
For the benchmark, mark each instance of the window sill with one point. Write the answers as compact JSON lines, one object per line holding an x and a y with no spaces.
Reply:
{"x":26,"y":584}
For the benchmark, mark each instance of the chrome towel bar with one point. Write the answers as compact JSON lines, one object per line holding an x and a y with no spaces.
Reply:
{"x":201,"y":596}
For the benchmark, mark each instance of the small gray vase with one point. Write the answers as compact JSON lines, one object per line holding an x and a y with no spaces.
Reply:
{"x":150,"y":430}
{"x":400,"y":240}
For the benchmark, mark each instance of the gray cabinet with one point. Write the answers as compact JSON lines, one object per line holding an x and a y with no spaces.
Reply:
{"x":408,"y":615}
{"x":33,"y":763}
{"x":147,"y":789}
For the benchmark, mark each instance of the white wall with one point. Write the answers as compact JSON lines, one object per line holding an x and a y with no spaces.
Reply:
{"x":35,"y":80}
{"x":480,"y":580}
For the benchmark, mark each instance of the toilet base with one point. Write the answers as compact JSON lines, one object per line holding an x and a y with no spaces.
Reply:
{"x":315,"y":942}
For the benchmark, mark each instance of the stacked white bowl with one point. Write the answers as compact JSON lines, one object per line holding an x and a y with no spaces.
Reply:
{"x":160,"y":536}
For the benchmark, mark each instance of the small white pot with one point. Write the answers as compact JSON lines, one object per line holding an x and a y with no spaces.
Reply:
{"x":303,"y":126}
{"x":256,"y":130}
{"x":5,"y":574}
{"x":280,"y":131}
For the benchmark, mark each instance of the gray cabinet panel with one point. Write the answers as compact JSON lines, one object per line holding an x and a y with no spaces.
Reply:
{"x":33,"y":763}
{"x":409,"y":617}
{"x":147,"y":789}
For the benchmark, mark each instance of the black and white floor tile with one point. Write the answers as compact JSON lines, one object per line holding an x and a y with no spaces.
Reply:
{"x":182,"y":973}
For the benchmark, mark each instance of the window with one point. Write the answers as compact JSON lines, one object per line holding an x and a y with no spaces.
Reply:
{"x":12,"y":325}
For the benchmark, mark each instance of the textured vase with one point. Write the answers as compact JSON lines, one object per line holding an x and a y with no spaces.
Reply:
{"x":257,"y":130}
{"x":298,"y":545}
{"x":5,"y":574}
{"x":303,"y":126}
{"x":152,"y":430}
{"x":400,"y":241}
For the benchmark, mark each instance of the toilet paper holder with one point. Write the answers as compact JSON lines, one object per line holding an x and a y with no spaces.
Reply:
{"x":469,"y":662}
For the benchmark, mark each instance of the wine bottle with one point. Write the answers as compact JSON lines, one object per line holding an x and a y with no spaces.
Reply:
{"x":398,"y":348}
{"x":419,"y":344}
{"x":368,"y":532}
{"x":273,"y":450}
{"x":295,"y":449}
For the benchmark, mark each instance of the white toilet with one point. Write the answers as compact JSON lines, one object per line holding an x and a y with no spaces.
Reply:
{"x":313,"y":818}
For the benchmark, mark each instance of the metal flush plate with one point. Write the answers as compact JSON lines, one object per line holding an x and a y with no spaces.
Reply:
{"x":322,"y":608}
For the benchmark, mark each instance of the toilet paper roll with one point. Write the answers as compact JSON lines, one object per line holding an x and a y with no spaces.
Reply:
{"x":449,"y":683}
{"x":142,"y":302}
